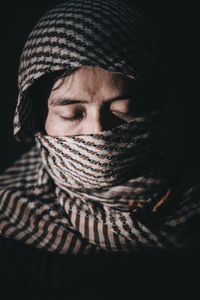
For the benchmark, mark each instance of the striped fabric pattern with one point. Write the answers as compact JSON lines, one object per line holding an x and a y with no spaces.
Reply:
{"x":101,"y":33}
{"x":106,"y":192}
{"x":35,"y":212}
{"x":103,"y":159}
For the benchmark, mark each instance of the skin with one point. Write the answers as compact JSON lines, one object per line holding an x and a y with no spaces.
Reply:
{"x":92,"y":100}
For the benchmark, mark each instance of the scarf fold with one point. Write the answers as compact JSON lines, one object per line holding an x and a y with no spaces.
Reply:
{"x":110,"y":191}
{"x":37,"y":210}
{"x":113,"y":168}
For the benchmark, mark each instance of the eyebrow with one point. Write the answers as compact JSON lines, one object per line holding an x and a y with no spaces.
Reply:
{"x":67,"y":101}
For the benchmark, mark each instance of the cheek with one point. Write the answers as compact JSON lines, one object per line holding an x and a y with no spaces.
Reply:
{"x":53,"y":126}
{"x":50,"y":125}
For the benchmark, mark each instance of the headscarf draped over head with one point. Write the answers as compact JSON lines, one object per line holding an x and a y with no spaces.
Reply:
{"x":105,"y":34}
{"x":101,"y":192}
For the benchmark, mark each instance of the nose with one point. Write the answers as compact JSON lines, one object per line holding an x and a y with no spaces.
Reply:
{"x":94,"y":123}
{"x":99,"y":120}
{"x":97,"y":126}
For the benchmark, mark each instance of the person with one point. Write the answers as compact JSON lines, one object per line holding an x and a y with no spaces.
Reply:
{"x":93,"y":208}
{"x":91,"y":100}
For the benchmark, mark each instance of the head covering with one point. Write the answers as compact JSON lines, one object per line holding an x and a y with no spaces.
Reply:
{"x":108,"y":191}
{"x":106,"y":34}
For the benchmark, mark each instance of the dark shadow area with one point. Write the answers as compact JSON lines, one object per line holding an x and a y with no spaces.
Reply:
{"x":29,"y":273}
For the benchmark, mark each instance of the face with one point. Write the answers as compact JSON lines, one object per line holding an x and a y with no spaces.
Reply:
{"x":92,"y":100}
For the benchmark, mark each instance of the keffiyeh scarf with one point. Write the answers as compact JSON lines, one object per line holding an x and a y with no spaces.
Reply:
{"x":103,"y":192}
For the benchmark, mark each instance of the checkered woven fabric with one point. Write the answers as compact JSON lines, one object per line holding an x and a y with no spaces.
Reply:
{"x":103,"y":192}
{"x":36,"y":212}
{"x":101,"y":33}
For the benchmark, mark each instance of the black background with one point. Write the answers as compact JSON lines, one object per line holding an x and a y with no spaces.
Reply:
{"x":177,"y":26}
{"x":40,"y":275}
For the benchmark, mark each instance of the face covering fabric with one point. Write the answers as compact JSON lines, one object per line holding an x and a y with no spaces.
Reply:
{"x":54,"y":207}
{"x":100,"y":167}
{"x":33,"y":210}
{"x":121,"y":200}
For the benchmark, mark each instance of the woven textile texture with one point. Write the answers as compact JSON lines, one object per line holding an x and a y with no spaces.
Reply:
{"x":107,"y":191}
{"x":104,"y":34}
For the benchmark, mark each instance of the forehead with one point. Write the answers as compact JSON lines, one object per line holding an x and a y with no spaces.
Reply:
{"x":92,"y":80}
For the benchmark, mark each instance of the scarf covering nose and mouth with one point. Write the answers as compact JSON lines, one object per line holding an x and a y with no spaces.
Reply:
{"x":110,"y":191}
{"x":100,"y":167}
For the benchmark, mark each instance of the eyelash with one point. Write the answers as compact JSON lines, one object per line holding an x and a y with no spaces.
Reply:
{"x":79,"y":117}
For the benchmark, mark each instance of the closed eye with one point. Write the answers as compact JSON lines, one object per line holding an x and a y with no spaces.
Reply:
{"x":120,"y":112}
{"x":74,"y":118}
{"x":80,"y":116}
